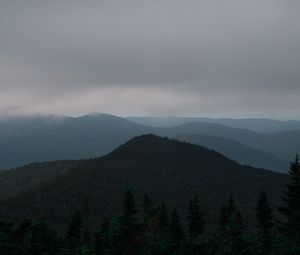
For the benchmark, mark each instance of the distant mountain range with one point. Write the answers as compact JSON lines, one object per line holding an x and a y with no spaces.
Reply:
{"x":30,"y":139}
{"x":168,"y":170}
{"x":258,"y":125}
{"x":237,"y":151}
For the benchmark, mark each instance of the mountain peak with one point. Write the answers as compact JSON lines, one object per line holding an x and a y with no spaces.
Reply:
{"x":152,"y":147}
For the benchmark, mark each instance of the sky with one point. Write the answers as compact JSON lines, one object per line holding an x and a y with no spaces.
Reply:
{"x":234,"y":58}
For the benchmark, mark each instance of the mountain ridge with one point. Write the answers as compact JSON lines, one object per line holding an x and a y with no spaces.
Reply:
{"x":41,"y":139}
{"x":166,"y":169}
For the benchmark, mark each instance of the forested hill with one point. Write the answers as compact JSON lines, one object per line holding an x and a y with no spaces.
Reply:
{"x":17,"y":180}
{"x":168,"y":170}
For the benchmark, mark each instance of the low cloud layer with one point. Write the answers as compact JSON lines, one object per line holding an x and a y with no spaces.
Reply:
{"x":168,"y":57}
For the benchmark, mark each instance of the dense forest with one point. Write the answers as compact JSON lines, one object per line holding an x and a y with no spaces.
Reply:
{"x":168,"y":170}
{"x":151,"y":228}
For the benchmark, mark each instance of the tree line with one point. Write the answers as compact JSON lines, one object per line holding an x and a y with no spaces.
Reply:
{"x":159,"y":230}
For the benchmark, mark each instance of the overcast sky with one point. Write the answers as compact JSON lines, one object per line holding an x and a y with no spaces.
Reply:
{"x":233,"y":58}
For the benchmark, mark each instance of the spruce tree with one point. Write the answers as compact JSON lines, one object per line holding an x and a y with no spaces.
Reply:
{"x":222,"y":221}
{"x":86,"y":242}
{"x":176,"y":230}
{"x":7,"y":243}
{"x":148,"y":209}
{"x":290,"y":226}
{"x":231,"y":229}
{"x":22,"y":234}
{"x":158,"y":239}
{"x":225,"y":215}
{"x":42,"y":239}
{"x":236,"y":224}
{"x":231,"y":207}
{"x":235,"y":232}
{"x":129,"y":224}
{"x":128,"y":217}
{"x":162,"y":217}
{"x":195,"y":219}
{"x":101,"y":238}
{"x":75,"y":233}
{"x":264,"y":223}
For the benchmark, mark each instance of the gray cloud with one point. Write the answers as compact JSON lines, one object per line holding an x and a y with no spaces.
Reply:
{"x":193,"y":57}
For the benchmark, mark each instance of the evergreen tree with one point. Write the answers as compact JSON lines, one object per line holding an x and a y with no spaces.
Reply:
{"x":222,"y":221}
{"x":235,"y":229}
{"x":195,"y":219}
{"x":148,"y":209}
{"x":75,"y":233}
{"x":290,"y":225}
{"x":176,"y":230}
{"x":231,"y":229}
{"x":291,"y":209}
{"x":22,"y":236}
{"x":7,"y":243}
{"x":86,"y":242}
{"x":116,"y":239}
{"x":129,"y":218}
{"x":157,"y":237}
{"x":101,"y":238}
{"x":194,"y":242}
{"x":43,"y":240}
{"x":225,"y":215}
{"x":264,"y":219}
{"x":162,"y":217}
{"x":231,"y":207}
{"x":129,"y":224}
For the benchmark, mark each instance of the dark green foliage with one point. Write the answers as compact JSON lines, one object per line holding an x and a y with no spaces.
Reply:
{"x":223,"y":220}
{"x":7,"y":245}
{"x":128,"y":219}
{"x":101,"y":238}
{"x":43,"y":241}
{"x":28,"y":239}
{"x":148,"y":209}
{"x":195,"y":219}
{"x":129,"y":225}
{"x":194,"y":243}
{"x":231,"y":207}
{"x":157,"y":234}
{"x":226,"y":217}
{"x":180,"y":168}
{"x":168,"y":170}
{"x":264,"y":223}
{"x":162,"y":234}
{"x":163,"y":217}
{"x":31,"y":176}
{"x":75,"y":233}
{"x":291,"y":209}
{"x":231,"y":229}
{"x":176,"y":230}
{"x":290,"y":224}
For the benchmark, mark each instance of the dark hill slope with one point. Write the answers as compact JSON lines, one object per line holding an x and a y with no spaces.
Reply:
{"x":17,"y":180}
{"x":168,"y":170}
